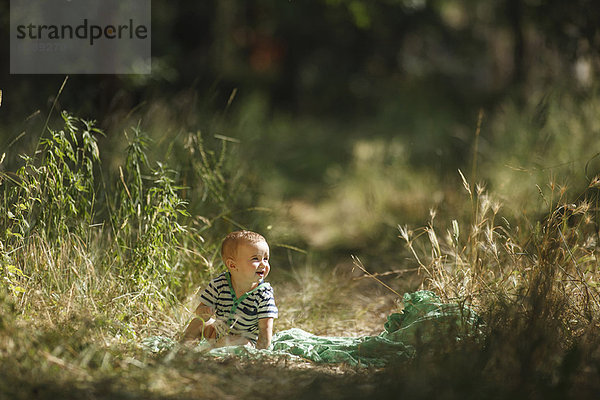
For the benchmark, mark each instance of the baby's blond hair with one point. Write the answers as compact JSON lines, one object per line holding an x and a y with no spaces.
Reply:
{"x":232,"y":241}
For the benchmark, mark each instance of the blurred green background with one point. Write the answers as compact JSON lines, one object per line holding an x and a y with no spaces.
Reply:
{"x":344,"y":118}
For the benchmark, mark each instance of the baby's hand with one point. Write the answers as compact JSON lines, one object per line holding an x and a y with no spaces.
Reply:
{"x":204,"y":312}
{"x":209,"y":332}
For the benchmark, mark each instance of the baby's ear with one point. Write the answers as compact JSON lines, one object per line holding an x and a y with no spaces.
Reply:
{"x":229,"y":263}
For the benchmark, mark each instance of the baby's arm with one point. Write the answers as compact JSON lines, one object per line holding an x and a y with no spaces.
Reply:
{"x":265,"y":333}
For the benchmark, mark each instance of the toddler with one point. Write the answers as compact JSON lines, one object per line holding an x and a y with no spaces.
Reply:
{"x":238,"y":306}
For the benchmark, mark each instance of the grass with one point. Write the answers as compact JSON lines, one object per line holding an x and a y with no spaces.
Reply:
{"x":96,"y":255}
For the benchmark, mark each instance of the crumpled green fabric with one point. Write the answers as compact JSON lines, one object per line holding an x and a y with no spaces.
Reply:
{"x":423,"y":318}
{"x":366,"y":350}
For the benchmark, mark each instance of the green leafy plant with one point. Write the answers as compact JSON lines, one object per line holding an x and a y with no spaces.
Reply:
{"x":146,"y":220}
{"x":53,"y":193}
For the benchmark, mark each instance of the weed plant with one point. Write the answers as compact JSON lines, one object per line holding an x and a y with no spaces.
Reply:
{"x":536,"y":290}
{"x":75,"y":240}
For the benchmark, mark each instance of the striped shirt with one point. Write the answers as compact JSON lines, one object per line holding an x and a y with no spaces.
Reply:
{"x":241,"y":315}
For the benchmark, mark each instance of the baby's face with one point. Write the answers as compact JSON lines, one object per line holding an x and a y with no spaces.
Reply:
{"x":251,"y":263}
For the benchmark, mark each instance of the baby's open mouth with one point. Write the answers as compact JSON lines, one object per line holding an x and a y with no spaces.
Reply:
{"x":260,"y":273}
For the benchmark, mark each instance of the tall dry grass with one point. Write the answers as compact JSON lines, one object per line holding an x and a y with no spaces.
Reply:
{"x":535,"y":283}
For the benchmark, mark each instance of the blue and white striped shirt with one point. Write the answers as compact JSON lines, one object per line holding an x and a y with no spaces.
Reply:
{"x":254,"y":305}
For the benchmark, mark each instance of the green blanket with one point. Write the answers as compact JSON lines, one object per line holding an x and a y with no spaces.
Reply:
{"x":423,"y":318}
